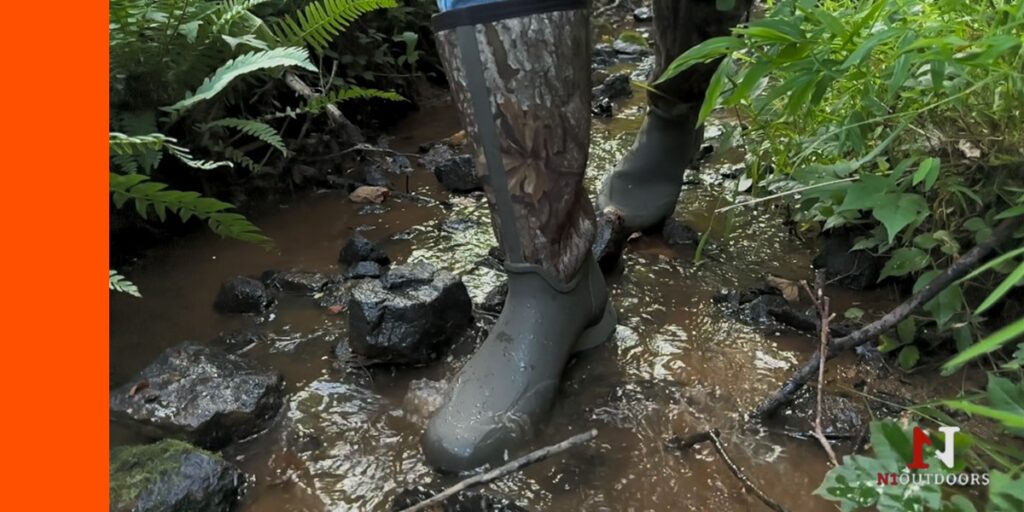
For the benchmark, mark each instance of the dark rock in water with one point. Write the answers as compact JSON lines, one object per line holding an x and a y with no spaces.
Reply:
{"x":455,"y":172}
{"x":336,"y":294}
{"x":296,"y":281}
{"x":303,"y":174}
{"x":409,"y":315}
{"x":358,"y":248}
{"x":643,"y":14}
{"x":238,"y":340}
{"x":760,"y":309}
{"x":204,"y":396}
{"x":610,"y":241}
{"x":602,"y":107}
{"x":457,"y":224}
{"x":841,"y":417}
{"x":243,"y":295}
{"x":614,"y":87}
{"x":604,"y":55}
{"x":497,"y":253}
{"x":677,"y":233}
{"x":858,"y":270}
{"x":364,"y":269}
{"x":494,"y":301}
{"x":374,"y":173}
{"x":630,"y":48}
{"x":465,"y":501}
{"x":171,"y":476}
{"x":399,"y":164}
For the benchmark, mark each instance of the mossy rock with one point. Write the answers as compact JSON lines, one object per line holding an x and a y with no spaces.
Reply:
{"x":171,"y":476}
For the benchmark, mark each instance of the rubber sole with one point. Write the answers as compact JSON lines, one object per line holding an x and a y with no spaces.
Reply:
{"x":598,"y":333}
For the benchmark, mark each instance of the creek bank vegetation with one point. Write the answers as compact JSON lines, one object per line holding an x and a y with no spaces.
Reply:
{"x":898,"y":125}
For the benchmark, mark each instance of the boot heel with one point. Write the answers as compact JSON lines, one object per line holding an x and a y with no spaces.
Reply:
{"x":598,"y":333}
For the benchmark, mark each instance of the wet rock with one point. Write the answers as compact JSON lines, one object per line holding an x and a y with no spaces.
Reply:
{"x":205,"y":396}
{"x":494,"y":301}
{"x":465,"y":501}
{"x":296,"y":281}
{"x":369,"y":194}
{"x":374,"y":173}
{"x":602,"y":107}
{"x":629,"y":47}
{"x":455,"y":172}
{"x":858,"y":270}
{"x":358,"y":248}
{"x":243,"y":295}
{"x":335,"y":295}
{"x":841,"y":417}
{"x":409,"y":315}
{"x":760,"y":310}
{"x":457,"y":224}
{"x":604,"y":55}
{"x":171,"y":476}
{"x":677,"y":233}
{"x":304,"y":174}
{"x":424,"y":397}
{"x":610,"y":241}
{"x":238,"y":340}
{"x":643,"y":15}
{"x":364,"y":270}
{"x":614,"y":87}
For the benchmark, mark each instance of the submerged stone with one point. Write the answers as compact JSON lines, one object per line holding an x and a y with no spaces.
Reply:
{"x":358,"y":248}
{"x":855,"y":269}
{"x":677,"y":233}
{"x":364,"y":269}
{"x":456,"y":173}
{"x":297,"y":281}
{"x":614,"y":87}
{"x":171,"y":476}
{"x":409,"y":315}
{"x":243,"y":295}
{"x":205,"y":396}
{"x":424,"y":397}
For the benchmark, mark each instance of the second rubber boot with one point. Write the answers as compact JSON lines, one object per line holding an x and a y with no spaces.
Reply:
{"x":645,"y":187}
{"x":519,"y":72}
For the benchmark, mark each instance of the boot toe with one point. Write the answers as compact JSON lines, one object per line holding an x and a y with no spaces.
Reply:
{"x":456,"y":446}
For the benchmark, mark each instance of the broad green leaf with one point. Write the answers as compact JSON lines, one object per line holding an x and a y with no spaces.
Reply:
{"x":903,"y":261}
{"x":705,"y":52}
{"x":908,"y":357}
{"x":1007,"y":396}
{"x":897,"y":211}
{"x":927,"y":172}
{"x":991,"y":343}
{"x":946,"y":304}
{"x":865,"y":193}
{"x":713,"y":92}
{"x":1005,"y":494}
{"x":869,"y":44}
{"x":907,"y":329}
{"x":1007,"y":419}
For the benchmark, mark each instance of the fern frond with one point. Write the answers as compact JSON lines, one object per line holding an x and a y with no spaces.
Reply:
{"x":130,"y":150}
{"x":121,"y":144}
{"x":241,"y":159}
{"x":247,"y":63}
{"x":317,"y":104}
{"x":257,"y":129}
{"x":119,"y":283}
{"x":146,"y":194}
{"x":321,"y":21}
{"x":229,"y":12}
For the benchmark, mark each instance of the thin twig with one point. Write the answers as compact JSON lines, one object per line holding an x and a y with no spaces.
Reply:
{"x":960,"y":268}
{"x":713,"y":436}
{"x":784,"y":194}
{"x":351,"y":132}
{"x":500,"y":471}
{"x":821,"y":302}
{"x":607,"y":8}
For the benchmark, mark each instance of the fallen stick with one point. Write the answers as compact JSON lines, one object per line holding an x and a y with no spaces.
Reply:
{"x":957,"y":270}
{"x":500,"y":471}
{"x":822,"y":303}
{"x":351,"y":132}
{"x":713,"y":436}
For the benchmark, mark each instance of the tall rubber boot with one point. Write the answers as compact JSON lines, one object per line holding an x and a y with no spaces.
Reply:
{"x":519,"y":72}
{"x":645,"y":187}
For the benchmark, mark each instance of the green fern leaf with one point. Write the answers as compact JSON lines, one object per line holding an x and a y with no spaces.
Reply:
{"x":119,"y":283}
{"x":241,"y":159}
{"x":121,"y":144}
{"x":185,"y":204}
{"x":316,"y":105}
{"x":321,"y":21}
{"x":229,"y":12}
{"x":257,"y":129}
{"x":247,"y":63}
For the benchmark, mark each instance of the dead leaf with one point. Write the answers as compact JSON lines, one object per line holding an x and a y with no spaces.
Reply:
{"x":369,"y":194}
{"x":335,"y":309}
{"x":790,"y":289}
{"x":457,"y":139}
{"x":139,"y":386}
{"x":969,"y":150}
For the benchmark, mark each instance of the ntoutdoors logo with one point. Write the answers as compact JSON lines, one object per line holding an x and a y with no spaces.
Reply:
{"x":946,"y":456}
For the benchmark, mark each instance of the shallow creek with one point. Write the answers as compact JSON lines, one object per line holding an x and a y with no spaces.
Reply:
{"x":681,"y":363}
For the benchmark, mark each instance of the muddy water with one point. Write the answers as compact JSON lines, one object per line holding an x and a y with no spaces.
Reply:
{"x":679,"y":364}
